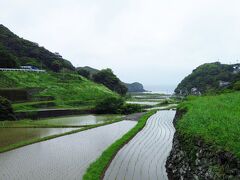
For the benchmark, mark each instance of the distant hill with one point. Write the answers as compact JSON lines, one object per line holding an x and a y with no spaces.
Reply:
{"x":132,"y":87}
{"x":135,"y":87}
{"x":209,"y":77}
{"x":16,"y":51}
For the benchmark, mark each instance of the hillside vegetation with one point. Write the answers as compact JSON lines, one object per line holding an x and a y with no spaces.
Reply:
{"x":210,"y":77}
{"x":62,"y":88}
{"x":93,"y":74}
{"x":16,"y":51}
{"x":215,"y":119}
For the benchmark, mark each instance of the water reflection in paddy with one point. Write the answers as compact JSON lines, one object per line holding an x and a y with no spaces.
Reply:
{"x":143,"y":102}
{"x":10,"y":136}
{"x":80,"y":120}
{"x":66,"y":157}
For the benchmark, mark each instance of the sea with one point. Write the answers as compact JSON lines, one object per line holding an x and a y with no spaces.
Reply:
{"x":162,"y":89}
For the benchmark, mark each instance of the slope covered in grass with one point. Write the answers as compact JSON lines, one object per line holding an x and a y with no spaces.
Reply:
{"x":215,"y":119}
{"x":62,"y":87}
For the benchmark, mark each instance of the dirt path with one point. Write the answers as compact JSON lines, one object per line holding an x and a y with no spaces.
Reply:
{"x":144,"y":157}
{"x":65,"y":157}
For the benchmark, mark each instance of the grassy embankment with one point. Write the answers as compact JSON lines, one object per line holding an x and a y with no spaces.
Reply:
{"x":36,"y":140}
{"x":66,"y":90}
{"x":97,"y":169}
{"x":214,"y":119}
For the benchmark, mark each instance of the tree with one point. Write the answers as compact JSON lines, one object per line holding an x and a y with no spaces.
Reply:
{"x":6,"y":110}
{"x":236,"y":86}
{"x":110,"y":80}
{"x":7,"y":60}
{"x":111,"y":105}
{"x":84,"y":73}
{"x":56,"y":66}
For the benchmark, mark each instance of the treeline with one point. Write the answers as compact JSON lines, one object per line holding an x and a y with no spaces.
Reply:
{"x":107,"y":78}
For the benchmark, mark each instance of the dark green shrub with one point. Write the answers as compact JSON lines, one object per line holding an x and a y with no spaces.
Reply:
{"x":56,"y":66}
{"x":236,"y":86}
{"x":110,"y":105}
{"x":6,"y":110}
{"x":84,"y":73}
{"x":7,"y":60}
{"x":131,"y":108}
{"x":116,"y":105}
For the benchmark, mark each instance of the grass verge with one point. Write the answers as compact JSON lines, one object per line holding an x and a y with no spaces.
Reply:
{"x":36,"y":140}
{"x":97,"y":169}
{"x":214,"y":119}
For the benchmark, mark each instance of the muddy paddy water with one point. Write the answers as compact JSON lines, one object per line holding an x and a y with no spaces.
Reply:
{"x":66,"y":157}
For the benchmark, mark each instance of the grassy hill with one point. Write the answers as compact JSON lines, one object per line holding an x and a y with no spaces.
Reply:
{"x":210,"y":77}
{"x":16,"y":51}
{"x":215,"y":119}
{"x":63,"y":89}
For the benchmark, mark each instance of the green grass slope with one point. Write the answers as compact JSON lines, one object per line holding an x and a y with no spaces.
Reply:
{"x":215,"y":119}
{"x":71,"y":89}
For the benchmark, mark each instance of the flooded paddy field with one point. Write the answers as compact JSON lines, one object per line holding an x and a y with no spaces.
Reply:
{"x":151,"y":103}
{"x":10,"y":136}
{"x":144,"y":157}
{"x":66,"y":157}
{"x":80,"y":120}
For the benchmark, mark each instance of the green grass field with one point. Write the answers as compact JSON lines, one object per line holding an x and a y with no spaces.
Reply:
{"x":68,"y":90}
{"x":215,"y":119}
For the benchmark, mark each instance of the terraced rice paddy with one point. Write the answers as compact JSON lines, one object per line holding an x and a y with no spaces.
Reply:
{"x":66,"y":157}
{"x":144,"y":157}
{"x":151,"y":103}
{"x":74,"y":121}
{"x":10,"y":136}
{"x":80,"y":120}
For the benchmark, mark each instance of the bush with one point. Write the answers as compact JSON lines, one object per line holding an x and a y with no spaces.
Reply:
{"x":116,"y":105}
{"x":236,"y":86}
{"x":7,"y":60}
{"x":131,"y":108}
{"x":85,"y":73}
{"x":6,"y":110}
{"x":109,"y":105}
{"x":56,"y":66}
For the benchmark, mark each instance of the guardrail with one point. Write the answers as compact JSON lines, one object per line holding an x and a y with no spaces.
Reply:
{"x":25,"y":70}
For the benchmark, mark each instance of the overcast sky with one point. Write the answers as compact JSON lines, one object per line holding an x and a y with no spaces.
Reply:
{"x":156,"y":42}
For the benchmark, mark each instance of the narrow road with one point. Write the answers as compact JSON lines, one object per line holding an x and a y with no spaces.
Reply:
{"x":144,"y":157}
{"x":62,"y":158}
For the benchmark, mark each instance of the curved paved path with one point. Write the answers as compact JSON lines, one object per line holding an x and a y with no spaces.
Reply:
{"x":144,"y":157}
{"x":64,"y":158}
